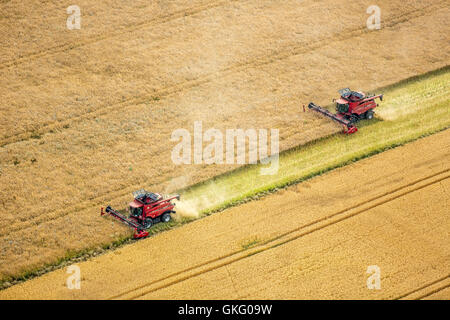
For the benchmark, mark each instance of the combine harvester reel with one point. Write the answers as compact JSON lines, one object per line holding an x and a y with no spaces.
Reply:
{"x":146,"y":209}
{"x":351,"y":107}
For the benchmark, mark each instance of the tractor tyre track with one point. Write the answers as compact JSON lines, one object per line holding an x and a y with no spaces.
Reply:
{"x":426,"y":286}
{"x":433,"y":292}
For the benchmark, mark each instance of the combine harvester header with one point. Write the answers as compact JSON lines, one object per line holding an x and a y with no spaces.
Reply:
{"x":351,"y":107}
{"x":349,"y":127}
{"x":139,"y":229}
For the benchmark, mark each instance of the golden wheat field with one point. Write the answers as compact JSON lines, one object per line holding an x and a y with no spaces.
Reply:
{"x":86,"y":115}
{"x":304,"y":242}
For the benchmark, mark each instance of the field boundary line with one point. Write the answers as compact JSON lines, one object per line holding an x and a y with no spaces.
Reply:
{"x":268,"y":244}
{"x":206,"y":78}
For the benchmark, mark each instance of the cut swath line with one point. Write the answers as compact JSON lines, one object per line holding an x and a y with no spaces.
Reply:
{"x":253,"y":63}
{"x":264,"y":246}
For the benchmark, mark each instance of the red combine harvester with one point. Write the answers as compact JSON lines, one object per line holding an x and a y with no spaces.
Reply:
{"x":146,"y":209}
{"x":351,"y":107}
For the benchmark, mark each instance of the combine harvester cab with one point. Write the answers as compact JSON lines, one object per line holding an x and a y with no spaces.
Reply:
{"x":351,"y":107}
{"x":146,"y":209}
